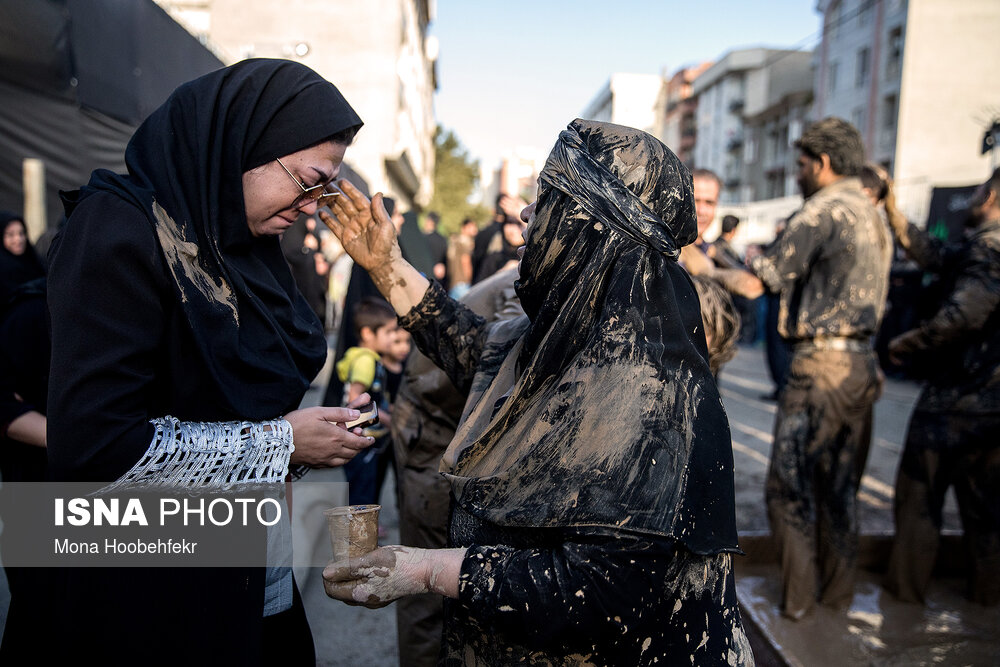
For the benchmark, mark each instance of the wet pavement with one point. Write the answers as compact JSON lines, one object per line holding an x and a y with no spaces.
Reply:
{"x":876,"y":629}
{"x":346,"y":635}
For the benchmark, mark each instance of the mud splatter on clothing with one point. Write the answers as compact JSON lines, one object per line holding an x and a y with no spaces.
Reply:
{"x":944,"y":450}
{"x":831,"y":268}
{"x":958,"y":349}
{"x":952,"y":437}
{"x":821,"y":440}
{"x":594,"y":453}
{"x":554,"y":597}
{"x":424,"y":418}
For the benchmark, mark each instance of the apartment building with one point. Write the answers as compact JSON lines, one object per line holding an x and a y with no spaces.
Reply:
{"x":722,"y":95}
{"x":377,"y":52}
{"x":917,"y":79}
{"x":676,"y":109}
{"x":627,"y":99}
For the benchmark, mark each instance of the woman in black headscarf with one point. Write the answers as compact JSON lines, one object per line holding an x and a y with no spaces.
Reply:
{"x":593,"y":512}
{"x":19,"y":263}
{"x":169,"y":295}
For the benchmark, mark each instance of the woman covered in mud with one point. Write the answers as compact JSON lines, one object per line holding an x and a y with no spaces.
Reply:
{"x":181,"y":349}
{"x":593,"y":517}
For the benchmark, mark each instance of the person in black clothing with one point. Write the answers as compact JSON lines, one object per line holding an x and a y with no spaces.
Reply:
{"x":190,"y":345}
{"x":18,"y":261}
{"x":778,"y":351}
{"x":505,"y":210}
{"x":24,"y":376}
{"x":301,"y":249}
{"x":952,"y":437}
{"x":503,"y":250}
{"x":725,"y":256}
{"x":438,"y":246}
{"x":593,"y":512}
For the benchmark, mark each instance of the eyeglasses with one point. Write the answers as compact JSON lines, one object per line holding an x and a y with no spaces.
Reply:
{"x":316,"y":193}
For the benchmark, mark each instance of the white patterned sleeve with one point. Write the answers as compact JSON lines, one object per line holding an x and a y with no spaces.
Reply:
{"x":211,"y":456}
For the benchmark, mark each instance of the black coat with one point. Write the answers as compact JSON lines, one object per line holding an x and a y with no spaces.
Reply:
{"x":163,"y":303}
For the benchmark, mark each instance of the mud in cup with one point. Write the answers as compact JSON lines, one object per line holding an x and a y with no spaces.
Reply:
{"x":353,"y":530}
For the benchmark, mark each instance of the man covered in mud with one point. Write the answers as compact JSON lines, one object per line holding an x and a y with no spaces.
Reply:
{"x":831,"y":270}
{"x":952,"y":437}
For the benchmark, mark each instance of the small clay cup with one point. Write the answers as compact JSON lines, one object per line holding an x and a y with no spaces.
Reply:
{"x":353,"y":530}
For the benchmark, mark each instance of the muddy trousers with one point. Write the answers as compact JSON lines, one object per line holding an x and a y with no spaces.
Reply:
{"x":945,"y":449}
{"x":821,"y":439}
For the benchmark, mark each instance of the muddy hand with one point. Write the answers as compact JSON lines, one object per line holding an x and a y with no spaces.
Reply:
{"x":363,"y":228}
{"x":378,"y":578}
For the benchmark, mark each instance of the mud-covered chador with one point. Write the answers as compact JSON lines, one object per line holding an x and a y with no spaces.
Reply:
{"x":592,"y":478}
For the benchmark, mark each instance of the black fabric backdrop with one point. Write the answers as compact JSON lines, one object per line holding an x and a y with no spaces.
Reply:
{"x":76,"y":78}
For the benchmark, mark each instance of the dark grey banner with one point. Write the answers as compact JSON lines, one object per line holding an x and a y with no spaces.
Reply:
{"x":80,"y":525}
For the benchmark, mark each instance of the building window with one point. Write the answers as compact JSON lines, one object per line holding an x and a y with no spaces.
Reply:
{"x":831,"y":77}
{"x":863,"y":68}
{"x":890,"y":109}
{"x":771,"y":148}
{"x":894,"y":56}
{"x":775,"y":185}
{"x":889,"y":112}
{"x":859,"y":119}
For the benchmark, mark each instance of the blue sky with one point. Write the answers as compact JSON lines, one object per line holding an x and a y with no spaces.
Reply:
{"x":515,"y":72}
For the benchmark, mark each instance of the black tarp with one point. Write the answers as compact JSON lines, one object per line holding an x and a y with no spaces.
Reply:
{"x":948,"y":212}
{"x":76,"y":78}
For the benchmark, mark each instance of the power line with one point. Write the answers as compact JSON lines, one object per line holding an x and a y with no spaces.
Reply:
{"x":817,"y":36}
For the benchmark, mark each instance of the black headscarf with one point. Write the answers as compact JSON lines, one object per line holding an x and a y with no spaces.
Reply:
{"x":185,"y":163}
{"x":15,"y":270}
{"x":605,"y":413}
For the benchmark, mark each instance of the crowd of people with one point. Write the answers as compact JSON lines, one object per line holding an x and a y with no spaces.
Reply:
{"x":537,"y":525}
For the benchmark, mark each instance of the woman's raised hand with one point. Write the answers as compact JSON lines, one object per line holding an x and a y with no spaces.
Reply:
{"x":369,"y":237}
{"x":363,"y":228}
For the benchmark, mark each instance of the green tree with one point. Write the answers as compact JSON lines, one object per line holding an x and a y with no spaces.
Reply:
{"x":455,"y":178}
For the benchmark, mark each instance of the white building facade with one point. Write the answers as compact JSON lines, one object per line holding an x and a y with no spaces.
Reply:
{"x":917,"y":77}
{"x":628,"y":99}
{"x":777,"y":106}
{"x":722,"y":95}
{"x":377,"y":52}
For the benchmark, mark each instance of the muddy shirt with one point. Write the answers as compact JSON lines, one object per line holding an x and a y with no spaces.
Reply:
{"x":831,"y":266}
{"x":959,"y":347}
